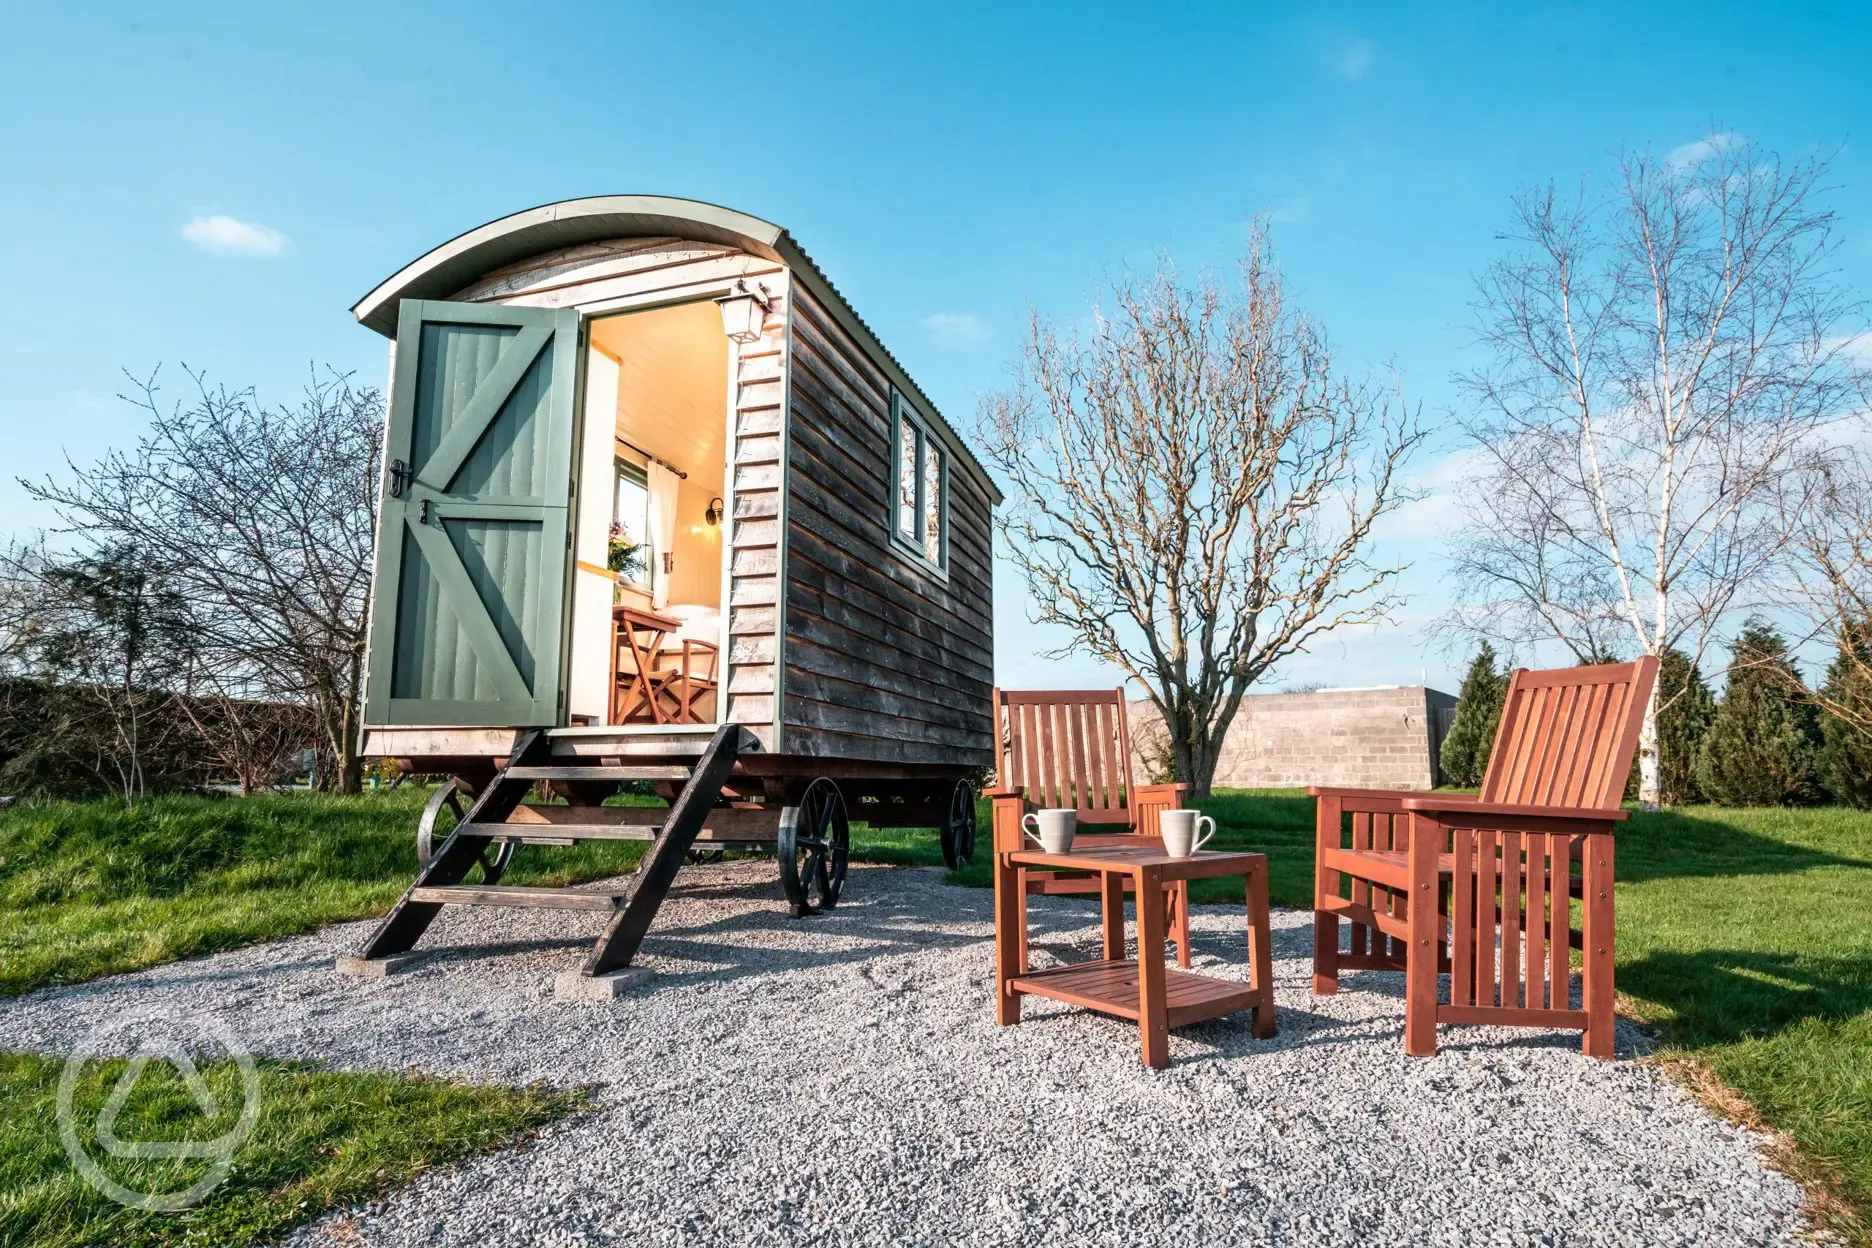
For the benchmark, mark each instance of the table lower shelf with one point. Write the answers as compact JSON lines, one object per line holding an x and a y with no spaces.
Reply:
{"x":1112,"y":988}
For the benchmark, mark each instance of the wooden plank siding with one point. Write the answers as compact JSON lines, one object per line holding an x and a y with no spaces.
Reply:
{"x":884,"y":658}
{"x":754,"y":551}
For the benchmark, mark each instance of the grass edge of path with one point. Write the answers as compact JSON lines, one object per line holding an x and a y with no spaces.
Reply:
{"x":325,"y":1140}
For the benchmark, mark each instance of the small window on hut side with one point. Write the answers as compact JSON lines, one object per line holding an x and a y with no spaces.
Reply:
{"x":920,"y":507}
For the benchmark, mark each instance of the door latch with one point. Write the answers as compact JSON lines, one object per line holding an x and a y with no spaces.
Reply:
{"x":422,"y":512}
{"x":400,"y":477}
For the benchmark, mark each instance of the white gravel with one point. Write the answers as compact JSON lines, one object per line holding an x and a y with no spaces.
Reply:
{"x":840,"y":1080}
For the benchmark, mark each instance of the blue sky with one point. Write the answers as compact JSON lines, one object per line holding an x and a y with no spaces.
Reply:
{"x":950,"y":166}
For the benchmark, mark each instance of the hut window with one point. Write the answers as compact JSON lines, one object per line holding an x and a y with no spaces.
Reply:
{"x":921,"y":482}
{"x":631,"y":512}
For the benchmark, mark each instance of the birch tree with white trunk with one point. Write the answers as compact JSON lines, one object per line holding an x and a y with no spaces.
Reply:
{"x":1194,"y":490}
{"x":1829,"y":517}
{"x":1661,"y":358}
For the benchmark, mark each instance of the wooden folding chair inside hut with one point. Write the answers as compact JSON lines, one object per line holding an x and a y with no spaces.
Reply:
{"x":1072,"y":748}
{"x":1439,"y":882}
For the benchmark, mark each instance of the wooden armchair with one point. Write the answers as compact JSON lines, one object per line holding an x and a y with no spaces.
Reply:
{"x":1072,"y":748}
{"x":1432,"y":880}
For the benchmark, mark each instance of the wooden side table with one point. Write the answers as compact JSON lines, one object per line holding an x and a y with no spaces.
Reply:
{"x":1142,"y":989}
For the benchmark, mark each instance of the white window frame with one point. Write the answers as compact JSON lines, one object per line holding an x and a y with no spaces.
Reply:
{"x":621,"y":467}
{"x":911,"y":545}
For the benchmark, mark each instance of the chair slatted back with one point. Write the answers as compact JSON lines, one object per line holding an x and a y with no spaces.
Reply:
{"x":1066,"y":748}
{"x":1567,"y":736}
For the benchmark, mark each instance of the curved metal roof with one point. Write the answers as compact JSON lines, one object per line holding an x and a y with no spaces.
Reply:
{"x":457,"y":263}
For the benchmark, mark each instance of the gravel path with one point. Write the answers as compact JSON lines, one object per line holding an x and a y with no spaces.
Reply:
{"x":840,"y":1081}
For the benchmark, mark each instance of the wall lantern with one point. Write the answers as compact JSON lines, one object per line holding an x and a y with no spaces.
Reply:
{"x":714,"y":513}
{"x":743,"y":310}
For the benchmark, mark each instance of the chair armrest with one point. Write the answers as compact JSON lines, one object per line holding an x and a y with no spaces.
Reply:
{"x":1439,"y":803}
{"x":1006,"y":809}
{"x":1160,"y":792}
{"x":1363,"y":801}
{"x":1330,"y":790}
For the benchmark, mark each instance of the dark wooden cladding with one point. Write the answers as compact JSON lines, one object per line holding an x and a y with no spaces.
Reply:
{"x":883,"y":658}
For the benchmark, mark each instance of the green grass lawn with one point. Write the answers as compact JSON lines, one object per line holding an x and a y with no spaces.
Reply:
{"x":321,"y":1140}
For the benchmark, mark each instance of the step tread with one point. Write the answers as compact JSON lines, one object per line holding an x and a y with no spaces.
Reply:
{"x":548,"y":833}
{"x":627,"y":771}
{"x":511,"y":895}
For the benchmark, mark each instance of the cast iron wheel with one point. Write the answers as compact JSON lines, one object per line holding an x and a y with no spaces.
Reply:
{"x":445,"y":809}
{"x":958,"y":829}
{"x":813,"y":849}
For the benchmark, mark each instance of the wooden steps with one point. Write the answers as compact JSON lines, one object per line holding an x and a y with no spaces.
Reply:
{"x":562,"y":833}
{"x":499,"y":813}
{"x":519,"y":898}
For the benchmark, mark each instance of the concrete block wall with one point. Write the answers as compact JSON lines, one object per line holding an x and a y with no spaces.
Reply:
{"x":1385,"y":738}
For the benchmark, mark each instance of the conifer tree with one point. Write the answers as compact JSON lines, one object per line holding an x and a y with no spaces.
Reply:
{"x":1845,"y":747}
{"x":1466,"y":748}
{"x":1759,"y":750}
{"x":1685,"y":708}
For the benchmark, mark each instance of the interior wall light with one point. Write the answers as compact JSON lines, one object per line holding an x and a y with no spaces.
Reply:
{"x":714,"y":513}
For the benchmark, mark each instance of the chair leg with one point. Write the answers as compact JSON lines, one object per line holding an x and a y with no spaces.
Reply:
{"x":1596,"y":956}
{"x":1010,"y":919}
{"x":1420,"y":951}
{"x":1325,"y":884}
{"x":1325,"y":953}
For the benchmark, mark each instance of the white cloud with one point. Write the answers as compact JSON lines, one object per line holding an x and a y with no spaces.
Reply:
{"x":1857,"y":348}
{"x":1351,"y":59}
{"x":953,"y":327}
{"x":228,"y":236}
{"x":1443,"y":504}
{"x":1687,"y":156}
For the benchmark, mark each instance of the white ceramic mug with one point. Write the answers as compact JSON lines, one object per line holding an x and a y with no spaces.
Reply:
{"x":1053,"y":828}
{"x":1179,"y":828}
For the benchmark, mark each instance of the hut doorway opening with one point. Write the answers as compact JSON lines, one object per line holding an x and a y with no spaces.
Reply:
{"x":648,"y":637}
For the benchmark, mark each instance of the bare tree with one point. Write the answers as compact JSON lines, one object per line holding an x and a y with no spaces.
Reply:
{"x":263,"y":519}
{"x":1828,"y":512}
{"x":1659,"y":362}
{"x":106,"y":640}
{"x":1193,"y":490}
{"x":254,"y":742}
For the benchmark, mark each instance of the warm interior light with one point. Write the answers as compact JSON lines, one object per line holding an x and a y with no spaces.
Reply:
{"x":742,"y":311}
{"x":714,"y":513}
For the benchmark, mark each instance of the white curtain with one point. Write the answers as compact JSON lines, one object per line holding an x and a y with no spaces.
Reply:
{"x":662,"y":527}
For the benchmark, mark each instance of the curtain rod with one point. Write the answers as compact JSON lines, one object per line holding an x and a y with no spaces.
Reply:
{"x":655,"y":459}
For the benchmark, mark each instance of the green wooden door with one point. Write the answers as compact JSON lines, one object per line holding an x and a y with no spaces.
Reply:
{"x":468,"y":601}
